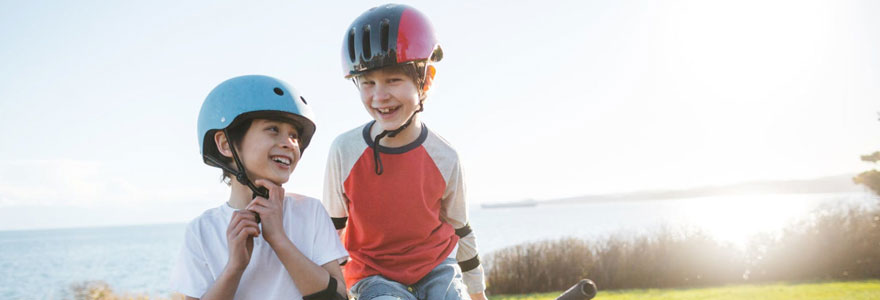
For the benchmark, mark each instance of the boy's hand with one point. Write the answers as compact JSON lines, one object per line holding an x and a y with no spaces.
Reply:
{"x":240,"y":239}
{"x":271,"y":210}
{"x":478,"y":296}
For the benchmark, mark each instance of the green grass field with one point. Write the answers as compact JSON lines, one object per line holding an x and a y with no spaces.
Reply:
{"x":800,"y":291}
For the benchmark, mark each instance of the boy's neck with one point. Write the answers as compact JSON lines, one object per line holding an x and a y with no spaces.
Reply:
{"x":405,"y":137}
{"x":240,"y":196}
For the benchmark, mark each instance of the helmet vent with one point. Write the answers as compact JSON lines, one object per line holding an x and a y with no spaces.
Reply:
{"x":278,"y":92}
{"x":384,"y":35}
{"x":351,"y":45}
{"x":304,"y":100}
{"x":366,"y":42}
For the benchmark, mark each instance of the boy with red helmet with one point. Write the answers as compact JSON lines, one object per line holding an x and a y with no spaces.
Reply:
{"x":394,"y":186}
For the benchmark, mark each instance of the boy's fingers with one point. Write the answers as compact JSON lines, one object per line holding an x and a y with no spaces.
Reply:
{"x":257,"y":201}
{"x":236,"y":219}
{"x":246,"y":215}
{"x":241,"y":215}
{"x":274,"y":189}
{"x":276,"y":192}
{"x":260,"y":209}
{"x":242,"y":236}
{"x":266,"y":184}
{"x":237,"y":230}
{"x":245,"y":218}
{"x":250,"y":231}
{"x":249,"y":223}
{"x":263,"y":202}
{"x":247,"y":228}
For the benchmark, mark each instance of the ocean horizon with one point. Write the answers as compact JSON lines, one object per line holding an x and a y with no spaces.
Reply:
{"x":137,"y":259}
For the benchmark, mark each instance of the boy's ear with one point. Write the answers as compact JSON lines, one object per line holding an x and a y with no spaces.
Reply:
{"x":430,"y":71}
{"x":222,"y":144}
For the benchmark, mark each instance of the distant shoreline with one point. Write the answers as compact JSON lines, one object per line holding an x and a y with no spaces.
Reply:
{"x":822,"y":185}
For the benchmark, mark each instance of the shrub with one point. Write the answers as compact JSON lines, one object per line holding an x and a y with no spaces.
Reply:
{"x":831,"y":245}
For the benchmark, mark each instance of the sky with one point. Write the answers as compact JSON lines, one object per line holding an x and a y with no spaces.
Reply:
{"x":99,"y":100}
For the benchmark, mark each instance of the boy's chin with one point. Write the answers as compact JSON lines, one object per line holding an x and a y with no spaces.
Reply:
{"x":277,"y":180}
{"x":389,"y":126}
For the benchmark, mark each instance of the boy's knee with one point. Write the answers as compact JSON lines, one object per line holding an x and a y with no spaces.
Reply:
{"x":378,"y":287}
{"x":384,"y":297}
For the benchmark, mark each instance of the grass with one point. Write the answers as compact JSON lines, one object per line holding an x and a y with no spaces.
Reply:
{"x":802,"y":291}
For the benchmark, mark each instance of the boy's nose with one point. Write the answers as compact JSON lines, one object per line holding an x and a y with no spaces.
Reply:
{"x":381,"y":93}
{"x":288,"y":142}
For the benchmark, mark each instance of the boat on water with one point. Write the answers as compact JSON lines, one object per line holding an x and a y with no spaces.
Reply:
{"x":521,"y":203}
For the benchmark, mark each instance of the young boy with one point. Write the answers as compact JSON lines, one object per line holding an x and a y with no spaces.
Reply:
{"x":393,"y":185}
{"x":261,"y":243}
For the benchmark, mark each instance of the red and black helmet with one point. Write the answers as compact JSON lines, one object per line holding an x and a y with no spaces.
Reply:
{"x":388,"y":35}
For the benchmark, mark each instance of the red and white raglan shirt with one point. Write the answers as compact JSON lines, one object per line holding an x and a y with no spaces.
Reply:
{"x":406,"y":221}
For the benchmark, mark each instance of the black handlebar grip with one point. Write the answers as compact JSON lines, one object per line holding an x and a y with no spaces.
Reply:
{"x":583,"y":290}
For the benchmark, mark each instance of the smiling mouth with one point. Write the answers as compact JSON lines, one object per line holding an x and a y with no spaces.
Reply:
{"x":281,"y":160}
{"x":387,"y":110}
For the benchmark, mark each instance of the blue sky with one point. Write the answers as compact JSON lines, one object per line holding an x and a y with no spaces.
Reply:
{"x":99,"y":100}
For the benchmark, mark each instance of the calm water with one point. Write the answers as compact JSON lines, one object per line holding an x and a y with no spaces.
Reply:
{"x":43,"y":264}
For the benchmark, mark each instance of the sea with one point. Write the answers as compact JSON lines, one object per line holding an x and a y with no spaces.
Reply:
{"x":137,"y":260}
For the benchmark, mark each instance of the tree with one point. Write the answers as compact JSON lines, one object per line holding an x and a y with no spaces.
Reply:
{"x":870,"y":178}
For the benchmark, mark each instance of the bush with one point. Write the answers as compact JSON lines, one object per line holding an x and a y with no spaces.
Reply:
{"x":99,"y":290}
{"x":839,"y":245}
{"x":831,"y":245}
{"x":541,"y":266}
{"x":664,"y":259}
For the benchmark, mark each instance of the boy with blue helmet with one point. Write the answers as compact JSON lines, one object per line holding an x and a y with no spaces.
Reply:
{"x":393,"y":187}
{"x":262,"y":243}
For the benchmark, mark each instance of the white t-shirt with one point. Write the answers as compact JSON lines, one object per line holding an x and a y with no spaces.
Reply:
{"x":204,"y":253}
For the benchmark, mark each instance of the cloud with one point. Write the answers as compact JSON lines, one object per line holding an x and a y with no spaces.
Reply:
{"x":88,"y":184}
{"x":49,"y":182}
{"x":76,"y":193}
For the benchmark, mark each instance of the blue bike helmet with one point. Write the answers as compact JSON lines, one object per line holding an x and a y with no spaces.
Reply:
{"x":249,"y":97}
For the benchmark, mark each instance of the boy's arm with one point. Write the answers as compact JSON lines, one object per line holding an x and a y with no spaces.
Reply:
{"x":240,"y":234}
{"x":225,"y":286}
{"x":334,"y":199}
{"x":308,"y":277}
{"x":455,"y":213}
{"x":469,"y":261}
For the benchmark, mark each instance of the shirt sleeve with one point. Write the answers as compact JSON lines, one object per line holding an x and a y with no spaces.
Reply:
{"x":327,"y":244}
{"x":455,"y":213}
{"x":191,"y":275}
{"x":334,"y":197}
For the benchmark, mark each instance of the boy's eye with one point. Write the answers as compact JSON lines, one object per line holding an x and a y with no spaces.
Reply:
{"x":273,"y":128}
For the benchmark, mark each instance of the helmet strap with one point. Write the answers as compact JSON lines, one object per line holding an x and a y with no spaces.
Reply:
{"x":392,"y":133}
{"x":241,"y":173}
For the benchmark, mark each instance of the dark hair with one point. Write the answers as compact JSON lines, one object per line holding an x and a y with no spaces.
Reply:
{"x":235,"y":135}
